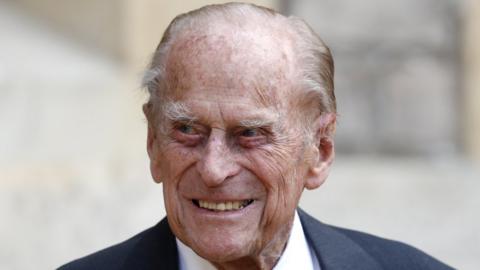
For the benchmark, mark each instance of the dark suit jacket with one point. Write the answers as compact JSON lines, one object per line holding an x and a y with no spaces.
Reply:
{"x":336,"y":249}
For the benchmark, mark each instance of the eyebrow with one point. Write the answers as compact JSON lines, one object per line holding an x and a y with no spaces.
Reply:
{"x":256,"y":123}
{"x":178,"y":112}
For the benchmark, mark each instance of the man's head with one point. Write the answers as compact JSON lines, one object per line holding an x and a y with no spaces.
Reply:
{"x":241,"y":118}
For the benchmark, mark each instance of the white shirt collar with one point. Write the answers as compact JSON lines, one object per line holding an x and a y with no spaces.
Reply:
{"x":298,"y":254}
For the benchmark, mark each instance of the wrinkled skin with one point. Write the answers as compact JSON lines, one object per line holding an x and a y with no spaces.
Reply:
{"x":222,"y":82}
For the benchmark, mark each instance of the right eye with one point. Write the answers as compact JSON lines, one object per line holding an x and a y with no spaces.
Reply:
{"x":186,"y":134}
{"x":186,"y":129}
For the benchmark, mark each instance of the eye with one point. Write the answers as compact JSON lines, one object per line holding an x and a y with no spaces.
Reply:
{"x":186,"y":134}
{"x":186,"y":129}
{"x":251,"y":137}
{"x":249,"y":132}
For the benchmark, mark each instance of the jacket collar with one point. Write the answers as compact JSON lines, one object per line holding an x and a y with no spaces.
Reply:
{"x":156,"y":249}
{"x":334,"y":250}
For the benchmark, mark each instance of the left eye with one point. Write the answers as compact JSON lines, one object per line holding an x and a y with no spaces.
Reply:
{"x":250,"y":133}
{"x":252,"y":137}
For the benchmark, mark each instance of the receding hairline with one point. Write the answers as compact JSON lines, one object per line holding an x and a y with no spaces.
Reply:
{"x":214,"y":19}
{"x":230,"y":17}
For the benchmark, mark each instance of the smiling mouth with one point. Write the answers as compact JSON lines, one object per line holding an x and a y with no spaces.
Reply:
{"x":223,"y":206}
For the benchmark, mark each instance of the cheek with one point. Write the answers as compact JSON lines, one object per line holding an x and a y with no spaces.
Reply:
{"x":274,"y":166}
{"x":174,"y":164}
{"x":276,"y":170}
{"x":173,"y":160}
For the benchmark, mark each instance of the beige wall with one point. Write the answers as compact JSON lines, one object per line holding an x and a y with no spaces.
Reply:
{"x":92,"y":22}
{"x":147,"y":19}
{"x":128,"y":30}
{"x":472,"y":79}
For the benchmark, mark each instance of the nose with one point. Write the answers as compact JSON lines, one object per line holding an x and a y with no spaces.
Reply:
{"x":217,"y":163}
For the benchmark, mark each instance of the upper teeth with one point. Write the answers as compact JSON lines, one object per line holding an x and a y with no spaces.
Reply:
{"x":224,"y":206}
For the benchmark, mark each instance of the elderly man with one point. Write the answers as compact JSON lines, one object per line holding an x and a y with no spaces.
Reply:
{"x":241,"y":119}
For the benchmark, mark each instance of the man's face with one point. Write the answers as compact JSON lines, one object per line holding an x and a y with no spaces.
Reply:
{"x":229,"y":147}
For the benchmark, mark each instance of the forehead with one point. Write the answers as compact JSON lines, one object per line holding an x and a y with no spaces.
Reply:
{"x":255,"y":65}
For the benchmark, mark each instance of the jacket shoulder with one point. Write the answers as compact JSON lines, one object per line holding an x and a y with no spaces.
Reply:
{"x":339,"y":248}
{"x":391,"y":254}
{"x":154,"y":248}
{"x":112,"y":257}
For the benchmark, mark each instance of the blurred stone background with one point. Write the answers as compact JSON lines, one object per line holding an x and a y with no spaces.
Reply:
{"x":73,"y":167}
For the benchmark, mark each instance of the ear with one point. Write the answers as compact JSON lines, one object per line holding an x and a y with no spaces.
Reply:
{"x":152,"y":144}
{"x":323,"y":151}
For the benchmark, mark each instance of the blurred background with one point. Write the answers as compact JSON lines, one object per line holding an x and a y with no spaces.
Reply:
{"x":74,"y":174}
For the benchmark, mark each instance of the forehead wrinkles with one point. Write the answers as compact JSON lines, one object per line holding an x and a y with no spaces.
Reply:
{"x":256,"y":61}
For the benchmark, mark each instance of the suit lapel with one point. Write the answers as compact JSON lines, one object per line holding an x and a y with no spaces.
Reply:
{"x":157,"y":250}
{"x":334,"y":250}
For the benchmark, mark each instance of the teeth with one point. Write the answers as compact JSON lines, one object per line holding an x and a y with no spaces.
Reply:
{"x":236,"y":205}
{"x":223,"y":206}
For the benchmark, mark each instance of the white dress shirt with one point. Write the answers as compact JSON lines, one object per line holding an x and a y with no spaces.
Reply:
{"x":298,"y":254}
